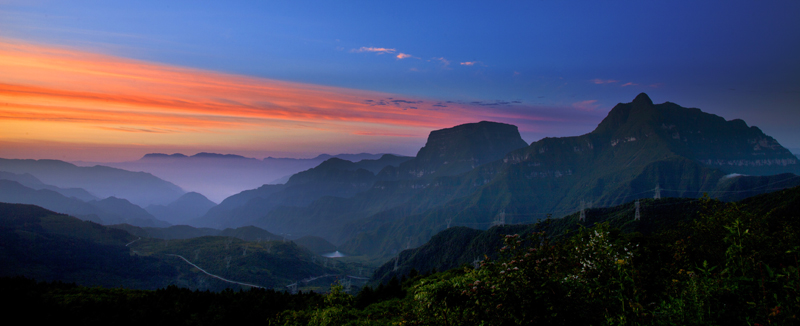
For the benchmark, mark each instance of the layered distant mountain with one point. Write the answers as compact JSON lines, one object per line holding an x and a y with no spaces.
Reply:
{"x":32,"y":182}
{"x":218,"y":176}
{"x":333,"y":177}
{"x":188,"y":207}
{"x":111,"y":210}
{"x":140,"y":188}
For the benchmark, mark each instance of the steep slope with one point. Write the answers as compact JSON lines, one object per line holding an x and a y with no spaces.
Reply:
{"x":138,"y":187}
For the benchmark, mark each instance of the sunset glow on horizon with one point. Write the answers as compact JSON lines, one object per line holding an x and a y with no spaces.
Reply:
{"x":111,"y":81}
{"x":69,"y":97}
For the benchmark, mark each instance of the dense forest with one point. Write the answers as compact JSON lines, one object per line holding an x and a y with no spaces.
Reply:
{"x":735,"y":264}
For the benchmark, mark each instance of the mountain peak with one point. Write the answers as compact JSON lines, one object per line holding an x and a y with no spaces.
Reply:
{"x":459,"y":149}
{"x":642,"y":99}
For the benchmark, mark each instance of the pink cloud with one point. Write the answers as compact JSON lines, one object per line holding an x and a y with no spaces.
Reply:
{"x":403,"y":56}
{"x":588,"y":105}
{"x":599,"y":81}
{"x":372,"y":49}
{"x":468,"y":63}
{"x":629,"y":84}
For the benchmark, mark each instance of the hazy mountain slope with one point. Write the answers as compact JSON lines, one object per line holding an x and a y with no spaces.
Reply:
{"x":28,"y":180}
{"x":189,"y":206}
{"x":218,"y":176}
{"x":107,"y":211}
{"x":138,"y":187}
{"x":333,"y":177}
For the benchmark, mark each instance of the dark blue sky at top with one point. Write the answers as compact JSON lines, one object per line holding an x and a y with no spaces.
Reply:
{"x":737,"y":59}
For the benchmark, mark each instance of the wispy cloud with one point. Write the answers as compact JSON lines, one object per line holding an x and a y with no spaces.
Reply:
{"x":588,"y":105}
{"x":373,"y":49}
{"x":444,"y":61}
{"x":599,"y":81}
{"x":403,"y":56}
{"x":629,"y":84}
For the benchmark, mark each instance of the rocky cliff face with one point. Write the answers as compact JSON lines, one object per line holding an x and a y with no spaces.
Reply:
{"x":459,"y":149}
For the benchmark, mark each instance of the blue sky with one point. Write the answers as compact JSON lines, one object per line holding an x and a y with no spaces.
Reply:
{"x":737,"y":59}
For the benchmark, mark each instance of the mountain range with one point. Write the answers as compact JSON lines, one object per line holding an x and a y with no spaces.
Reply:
{"x":140,"y":188}
{"x":482,"y":174}
{"x":465,"y":186}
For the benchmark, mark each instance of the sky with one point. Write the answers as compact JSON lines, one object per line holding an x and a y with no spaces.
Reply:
{"x":111,"y":81}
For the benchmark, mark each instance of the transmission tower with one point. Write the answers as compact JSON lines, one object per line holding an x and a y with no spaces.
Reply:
{"x":500,"y":219}
{"x":658,"y":192}
{"x":583,"y":213}
{"x":637,"y":216}
{"x":395,"y":262}
{"x":449,"y":220}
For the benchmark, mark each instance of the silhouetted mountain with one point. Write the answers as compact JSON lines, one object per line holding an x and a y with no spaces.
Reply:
{"x":138,"y":187}
{"x":28,"y":180}
{"x":189,"y":206}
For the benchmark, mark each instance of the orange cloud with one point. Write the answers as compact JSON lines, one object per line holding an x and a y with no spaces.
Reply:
{"x":51,"y":94}
{"x":403,"y":56}
{"x":468,"y":63}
